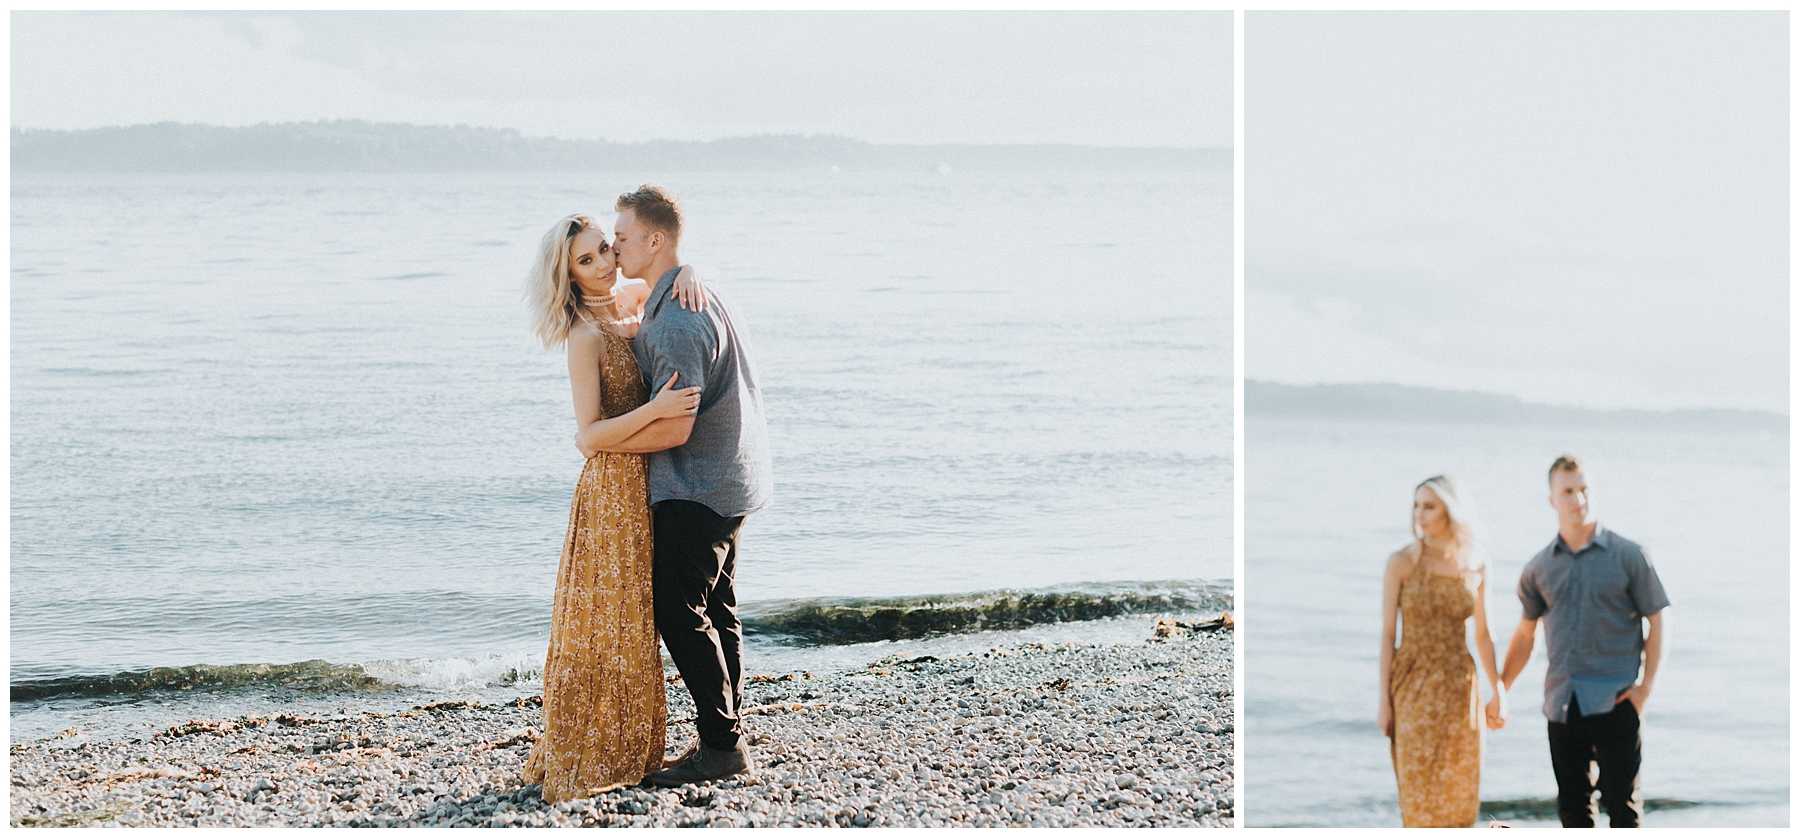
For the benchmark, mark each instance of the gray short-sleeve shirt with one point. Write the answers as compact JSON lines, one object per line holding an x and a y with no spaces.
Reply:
{"x":725,"y":463}
{"x":1592,"y":603}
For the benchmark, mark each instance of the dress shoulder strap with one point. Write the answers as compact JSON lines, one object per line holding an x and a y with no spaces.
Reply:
{"x":1416,"y":552}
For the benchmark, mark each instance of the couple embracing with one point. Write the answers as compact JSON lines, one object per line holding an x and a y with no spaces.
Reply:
{"x":1593,"y":589}
{"x":652,"y":540}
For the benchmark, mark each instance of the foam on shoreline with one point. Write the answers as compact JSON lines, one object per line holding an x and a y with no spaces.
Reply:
{"x":840,"y":621}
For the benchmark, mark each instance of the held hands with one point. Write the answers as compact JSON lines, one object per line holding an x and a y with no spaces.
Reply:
{"x":670,"y":402}
{"x":1497,"y":711}
{"x":688,"y":290}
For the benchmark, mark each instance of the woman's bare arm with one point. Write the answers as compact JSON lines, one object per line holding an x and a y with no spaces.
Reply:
{"x":592,"y":433}
{"x":1484,"y":647}
{"x":689,"y":293}
{"x":631,"y":296}
{"x":1390,"y":620}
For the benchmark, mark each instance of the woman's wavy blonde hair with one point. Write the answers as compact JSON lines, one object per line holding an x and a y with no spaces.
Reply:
{"x":1462,"y":544}
{"x":551,"y":293}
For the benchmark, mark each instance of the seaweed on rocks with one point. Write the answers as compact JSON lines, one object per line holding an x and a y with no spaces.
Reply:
{"x":849,"y":620}
{"x":313,"y":675}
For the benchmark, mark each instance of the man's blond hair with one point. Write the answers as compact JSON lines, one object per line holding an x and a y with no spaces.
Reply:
{"x":656,"y":206}
{"x":1566,"y":462}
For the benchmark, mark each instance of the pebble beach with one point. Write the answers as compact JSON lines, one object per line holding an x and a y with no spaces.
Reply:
{"x":1022,"y":735}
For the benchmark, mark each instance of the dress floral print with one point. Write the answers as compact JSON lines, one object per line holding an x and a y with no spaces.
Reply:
{"x":1437,"y":703}
{"x":604,"y":711}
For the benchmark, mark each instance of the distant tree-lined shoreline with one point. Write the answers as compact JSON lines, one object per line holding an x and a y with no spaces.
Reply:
{"x":1394,"y":402}
{"x":359,"y":146}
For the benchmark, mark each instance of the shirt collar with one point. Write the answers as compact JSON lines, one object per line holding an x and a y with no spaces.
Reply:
{"x":1601,"y":539}
{"x":660,"y":291}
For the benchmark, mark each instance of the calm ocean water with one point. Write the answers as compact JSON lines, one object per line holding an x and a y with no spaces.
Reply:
{"x":1327,"y":501}
{"x":263,"y":419}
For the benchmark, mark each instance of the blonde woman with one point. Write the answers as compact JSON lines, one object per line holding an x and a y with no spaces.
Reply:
{"x":1430,"y":699}
{"x":604,"y":713}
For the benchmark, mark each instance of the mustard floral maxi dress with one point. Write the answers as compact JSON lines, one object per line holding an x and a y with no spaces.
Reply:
{"x":1437,"y":703}
{"x":604,"y":711}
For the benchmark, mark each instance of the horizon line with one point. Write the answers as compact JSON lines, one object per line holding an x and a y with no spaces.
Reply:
{"x":502,"y":129}
{"x":1521,"y":399}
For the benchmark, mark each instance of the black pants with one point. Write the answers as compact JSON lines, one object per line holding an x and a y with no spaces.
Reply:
{"x":696,"y":612}
{"x":1610,"y":739}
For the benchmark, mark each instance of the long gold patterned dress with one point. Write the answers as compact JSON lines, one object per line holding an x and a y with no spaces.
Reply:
{"x":604,"y":709}
{"x":1437,"y":704}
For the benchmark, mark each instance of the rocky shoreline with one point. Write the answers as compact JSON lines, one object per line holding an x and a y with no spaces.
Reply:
{"x":1028,"y":735}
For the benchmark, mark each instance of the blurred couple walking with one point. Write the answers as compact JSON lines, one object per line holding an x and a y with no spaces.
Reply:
{"x":1593,"y":589}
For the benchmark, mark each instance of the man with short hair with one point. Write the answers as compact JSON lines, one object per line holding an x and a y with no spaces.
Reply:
{"x":1594,"y":589}
{"x":707,"y":472}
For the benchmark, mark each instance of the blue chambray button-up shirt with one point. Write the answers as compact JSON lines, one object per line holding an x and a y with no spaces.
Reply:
{"x":1592,"y":602}
{"x":725,"y":463}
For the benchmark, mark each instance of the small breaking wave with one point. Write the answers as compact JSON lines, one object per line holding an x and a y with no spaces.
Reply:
{"x":436,"y":675}
{"x":798,"y":622}
{"x":315,"y":675}
{"x":456,"y":674}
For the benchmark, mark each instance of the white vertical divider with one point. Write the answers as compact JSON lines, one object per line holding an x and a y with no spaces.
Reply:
{"x":1237,"y":401}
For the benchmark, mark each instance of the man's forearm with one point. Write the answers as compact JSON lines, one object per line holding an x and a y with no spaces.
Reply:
{"x":1518,"y":653}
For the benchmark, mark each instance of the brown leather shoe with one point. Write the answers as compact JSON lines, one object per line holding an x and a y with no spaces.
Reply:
{"x":706,"y":764}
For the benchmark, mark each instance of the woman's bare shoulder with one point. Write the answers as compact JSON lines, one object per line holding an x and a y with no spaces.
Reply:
{"x":584,"y":337}
{"x":1401,"y":558}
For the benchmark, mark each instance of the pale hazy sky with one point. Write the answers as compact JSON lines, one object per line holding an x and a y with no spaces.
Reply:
{"x":1122,"y":78}
{"x":1585,"y":209}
